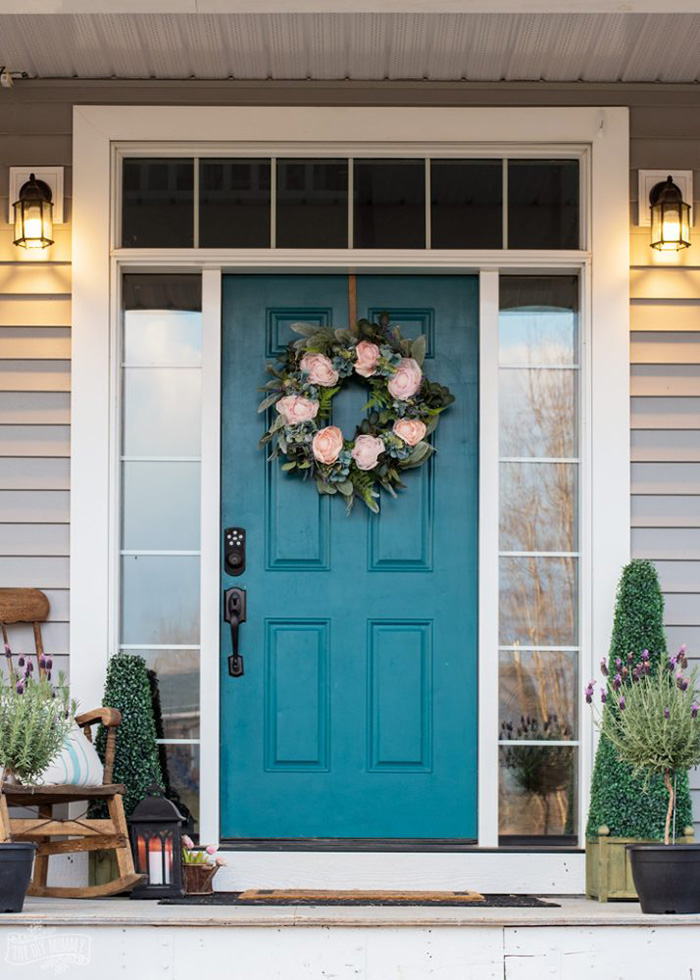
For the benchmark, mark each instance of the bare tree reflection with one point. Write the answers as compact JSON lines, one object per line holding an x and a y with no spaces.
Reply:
{"x":538,"y":598}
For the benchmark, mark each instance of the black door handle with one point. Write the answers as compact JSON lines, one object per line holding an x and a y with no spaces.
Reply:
{"x":235,"y":614}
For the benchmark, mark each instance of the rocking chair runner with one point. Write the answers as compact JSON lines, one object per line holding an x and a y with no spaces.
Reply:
{"x":77,"y":833}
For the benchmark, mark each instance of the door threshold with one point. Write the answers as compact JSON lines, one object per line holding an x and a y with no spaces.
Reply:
{"x":383,"y":844}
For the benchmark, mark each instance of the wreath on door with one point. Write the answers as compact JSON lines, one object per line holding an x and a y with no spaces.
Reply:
{"x":404,"y":408}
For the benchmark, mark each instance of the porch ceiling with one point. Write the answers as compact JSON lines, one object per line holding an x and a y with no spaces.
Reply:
{"x":479,"y":47}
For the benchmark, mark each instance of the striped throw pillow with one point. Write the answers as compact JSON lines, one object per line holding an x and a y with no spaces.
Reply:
{"x":77,"y":764}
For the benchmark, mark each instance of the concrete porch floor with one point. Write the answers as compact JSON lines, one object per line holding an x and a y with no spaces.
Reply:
{"x":121,"y":912}
{"x":116,"y":938}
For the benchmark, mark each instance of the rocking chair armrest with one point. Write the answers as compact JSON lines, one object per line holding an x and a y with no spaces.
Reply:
{"x":109,"y":717}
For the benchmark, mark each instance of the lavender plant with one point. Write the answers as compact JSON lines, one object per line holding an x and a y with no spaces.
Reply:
{"x":651,"y":718}
{"x":35,"y":717}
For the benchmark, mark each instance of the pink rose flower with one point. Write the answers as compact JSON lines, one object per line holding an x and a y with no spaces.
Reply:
{"x":220,"y":863}
{"x":210,"y":849}
{"x":320,"y":370}
{"x":327,"y":444}
{"x":296,"y":409}
{"x":366,"y":451}
{"x":406,"y":381}
{"x":410,"y":430}
{"x":367,"y":357}
{"x":187,"y":842}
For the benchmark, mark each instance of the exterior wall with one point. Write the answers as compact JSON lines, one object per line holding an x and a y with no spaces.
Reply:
{"x":35,"y":128}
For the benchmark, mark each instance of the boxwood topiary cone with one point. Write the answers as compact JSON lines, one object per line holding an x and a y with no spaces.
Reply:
{"x":619,"y":799}
{"x":136,"y":759}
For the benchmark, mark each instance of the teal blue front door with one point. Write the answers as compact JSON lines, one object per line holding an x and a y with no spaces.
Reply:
{"x":356,"y":714}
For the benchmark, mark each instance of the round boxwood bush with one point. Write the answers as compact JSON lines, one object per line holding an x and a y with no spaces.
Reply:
{"x":619,"y":800}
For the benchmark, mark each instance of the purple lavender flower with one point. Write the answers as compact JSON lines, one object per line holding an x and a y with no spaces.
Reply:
{"x":618,"y":664}
{"x":30,"y":666}
{"x":694,"y":709}
{"x":589,"y":692}
{"x":49,"y":663}
{"x":621,"y":704}
{"x":625,"y":673}
{"x":637,"y":673}
{"x":617,"y":682}
{"x":20,"y":660}
{"x":48,"y":675}
{"x":667,"y":713}
{"x":603,"y":697}
{"x":8,"y":652}
{"x":42,"y":661}
{"x":646,"y":668}
{"x":630,"y":657}
{"x":645,"y":654}
{"x":604,"y":667}
{"x":20,"y":687}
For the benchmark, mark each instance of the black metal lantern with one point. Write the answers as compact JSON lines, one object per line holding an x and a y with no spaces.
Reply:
{"x":156,"y":845}
{"x":670,"y":217}
{"x":34,"y":215}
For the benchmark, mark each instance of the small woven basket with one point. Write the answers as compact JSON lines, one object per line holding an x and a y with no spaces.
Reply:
{"x":197,"y":878}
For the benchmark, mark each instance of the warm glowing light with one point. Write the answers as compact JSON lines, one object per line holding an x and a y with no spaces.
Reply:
{"x":670,"y":218}
{"x":34,"y":215}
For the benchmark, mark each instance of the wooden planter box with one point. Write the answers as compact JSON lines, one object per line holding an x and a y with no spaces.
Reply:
{"x":608,"y":869}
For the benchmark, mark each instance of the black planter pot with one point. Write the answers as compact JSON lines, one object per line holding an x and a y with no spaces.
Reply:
{"x":667,"y":878}
{"x":15,"y":872}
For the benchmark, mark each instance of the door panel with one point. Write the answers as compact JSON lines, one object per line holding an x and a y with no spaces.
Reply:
{"x":356,"y":714}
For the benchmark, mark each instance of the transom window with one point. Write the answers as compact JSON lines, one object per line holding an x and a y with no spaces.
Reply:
{"x":341,"y":202}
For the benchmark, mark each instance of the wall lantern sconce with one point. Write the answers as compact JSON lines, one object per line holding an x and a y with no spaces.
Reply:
{"x":156,"y":844}
{"x":33,"y":214}
{"x":670,"y":217}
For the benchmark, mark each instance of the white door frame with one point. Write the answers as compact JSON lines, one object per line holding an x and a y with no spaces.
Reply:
{"x":100,"y":132}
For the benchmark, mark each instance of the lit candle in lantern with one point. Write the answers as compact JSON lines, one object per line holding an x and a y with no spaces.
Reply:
{"x":155,"y":862}
{"x":141,"y":853}
{"x":168,"y":860}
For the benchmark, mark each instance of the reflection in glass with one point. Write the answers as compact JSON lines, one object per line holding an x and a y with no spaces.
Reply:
{"x":162,"y":412}
{"x":538,"y":412}
{"x":538,"y":507}
{"x":160,"y":599}
{"x":466,"y":203}
{"x":160,"y":505}
{"x":537,"y":687}
{"x":389,"y":203}
{"x":182,"y":765}
{"x":177,"y":672}
{"x":162,"y":337}
{"x":538,"y":603}
{"x":537,"y":791}
{"x":312,"y":203}
{"x":543,"y":204}
{"x":234,"y":203}
{"x":538,"y":322}
{"x":158,"y":203}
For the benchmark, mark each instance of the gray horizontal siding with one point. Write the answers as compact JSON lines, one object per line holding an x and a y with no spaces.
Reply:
{"x":35,"y":127}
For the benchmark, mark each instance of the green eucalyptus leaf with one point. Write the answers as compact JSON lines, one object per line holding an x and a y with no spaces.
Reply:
{"x":288,"y":467}
{"x":418,"y":349}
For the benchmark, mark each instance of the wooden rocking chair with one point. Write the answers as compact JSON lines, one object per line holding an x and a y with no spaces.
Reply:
{"x":77,"y":833}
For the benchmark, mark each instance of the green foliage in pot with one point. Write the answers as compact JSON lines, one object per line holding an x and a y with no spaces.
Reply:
{"x":136,"y":760}
{"x":629,"y":804}
{"x":653,"y":721}
{"x":35,"y":719}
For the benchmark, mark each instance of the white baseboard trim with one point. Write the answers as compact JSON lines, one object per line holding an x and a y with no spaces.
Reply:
{"x":488,"y":871}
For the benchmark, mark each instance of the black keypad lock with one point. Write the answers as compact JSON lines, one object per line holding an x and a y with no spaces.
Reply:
{"x":234,"y":550}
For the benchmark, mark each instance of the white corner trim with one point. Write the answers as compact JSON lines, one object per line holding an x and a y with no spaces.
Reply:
{"x":605,"y":403}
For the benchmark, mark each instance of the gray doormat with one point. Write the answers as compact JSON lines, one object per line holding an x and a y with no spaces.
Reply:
{"x":358,"y":899}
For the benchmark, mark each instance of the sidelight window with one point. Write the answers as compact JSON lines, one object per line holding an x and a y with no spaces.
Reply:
{"x":538,"y":557}
{"x":160,"y":509}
